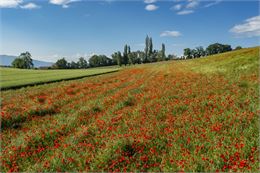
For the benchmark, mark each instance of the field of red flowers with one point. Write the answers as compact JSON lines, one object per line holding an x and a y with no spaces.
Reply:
{"x":173,"y":116}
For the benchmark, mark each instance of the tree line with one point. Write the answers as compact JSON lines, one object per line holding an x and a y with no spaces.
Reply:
{"x":149,"y":55}
{"x":210,"y":50}
{"x":127,"y":57}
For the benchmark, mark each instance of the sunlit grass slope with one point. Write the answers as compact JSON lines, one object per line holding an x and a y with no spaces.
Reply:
{"x":231,"y":63}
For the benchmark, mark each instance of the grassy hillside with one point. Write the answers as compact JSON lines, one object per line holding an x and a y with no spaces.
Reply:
{"x":244,"y":61}
{"x":196,"y":115}
{"x":10,"y":77}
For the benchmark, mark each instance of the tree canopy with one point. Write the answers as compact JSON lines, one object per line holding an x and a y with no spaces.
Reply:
{"x":23,"y":61}
{"x":99,"y":60}
{"x":210,"y":50}
{"x":61,"y":64}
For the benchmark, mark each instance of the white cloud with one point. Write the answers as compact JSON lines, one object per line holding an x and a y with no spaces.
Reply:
{"x":63,"y":3}
{"x":192,"y":4}
{"x":30,"y":6}
{"x":184,"y":12}
{"x":10,"y":3}
{"x":212,"y":3}
{"x":176,"y":7}
{"x":187,"y":8}
{"x":151,"y":7}
{"x":170,"y":34}
{"x":149,"y":1}
{"x":250,"y":27}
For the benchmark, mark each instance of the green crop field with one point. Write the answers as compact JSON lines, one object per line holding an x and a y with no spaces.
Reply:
{"x":10,"y":77}
{"x":198,"y":115}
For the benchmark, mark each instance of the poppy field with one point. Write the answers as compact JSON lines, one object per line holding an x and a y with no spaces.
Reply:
{"x":189,"y":115}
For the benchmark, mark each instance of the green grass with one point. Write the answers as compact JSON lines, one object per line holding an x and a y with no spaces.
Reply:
{"x":230,"y":63}
{"x":11,"y":77}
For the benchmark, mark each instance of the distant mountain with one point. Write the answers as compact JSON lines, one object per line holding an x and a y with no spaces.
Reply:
{"x":6,"y":60}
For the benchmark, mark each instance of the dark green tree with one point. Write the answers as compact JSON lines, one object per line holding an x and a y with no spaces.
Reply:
{"x":61,"y":64}
{"x":24,"y":61}
{"x":187,"y":53}
{"x":117,"y":58}
{"x":217,"y":48}
{"x":27,"y":59}
{"x":128,"y":49}
{"x":159,"y":56}
{"x":129,"y":55}
{"x":226,"y":48}
{"x":194,"y":53}
{"x":99,"y":60}
{"x":133,"y":58}
{"x":150,"y":46}
{"x":125,"y":55}
{"x":200,"y":51}
{"x":73,"y":65}
{"x":114,"y":58}
{"x":137,"y":60}
{"x":146,"y":49}
{"x":140,"y":57}
{"x":82,"y":63}
{"x":171,"y":57}
{"x":163,"y":52}
{"x":238,"y":47}
{"x":153,"y":56}
{"x":94,"y":61}
{"x":18,"y":63}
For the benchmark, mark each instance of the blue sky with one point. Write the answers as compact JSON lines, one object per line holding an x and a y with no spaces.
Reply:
{"x":51,"y":29}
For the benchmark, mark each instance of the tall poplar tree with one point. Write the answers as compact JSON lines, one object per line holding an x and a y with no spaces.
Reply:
{"x":163,"y":52}
{"x":125,"y":55}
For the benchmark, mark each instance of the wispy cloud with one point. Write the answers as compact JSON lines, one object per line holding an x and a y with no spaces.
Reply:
{"x":63,"y":3}
{"x":184,"y":12}
{"x":250,"y":27}
{"x":192,"y":4}
{"x":30,"y":6}
{"x":212,"y":3}
{"x":170,"y":34}
{"x":151,"y":7}
{"x":186,"y":7}
{"x":176,"y":7}
{"x":10,"y":3}
{"x":149,"y":1}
